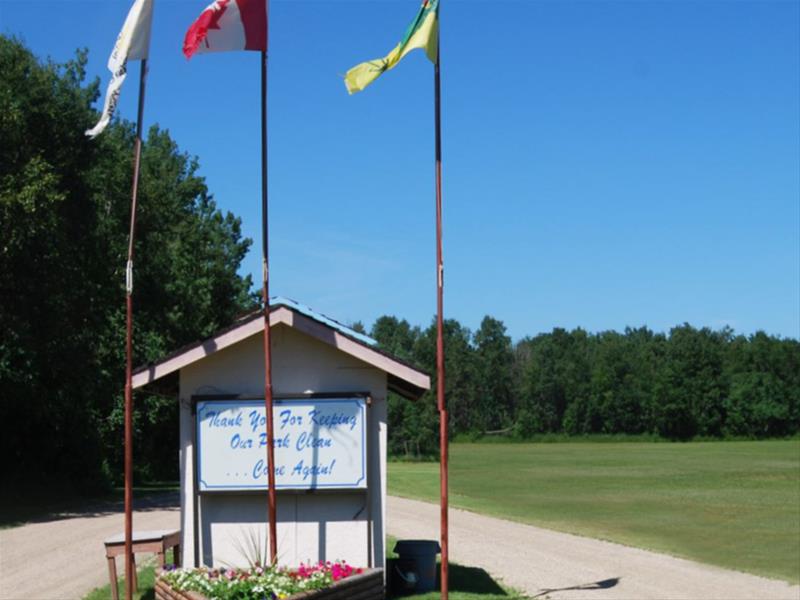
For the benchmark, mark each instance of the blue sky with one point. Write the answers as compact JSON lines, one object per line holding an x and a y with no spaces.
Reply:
{"x":605,"y":163}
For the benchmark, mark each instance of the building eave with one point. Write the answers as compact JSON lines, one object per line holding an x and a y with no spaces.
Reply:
{"x":403,"y":378}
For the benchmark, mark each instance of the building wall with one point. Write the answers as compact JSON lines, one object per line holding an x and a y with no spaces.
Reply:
{"x":311,"y":526}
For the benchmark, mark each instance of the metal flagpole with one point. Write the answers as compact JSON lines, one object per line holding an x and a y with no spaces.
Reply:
{"x":273,"y":538}
{"x":443,"y":443}
{"x":137,"y":153}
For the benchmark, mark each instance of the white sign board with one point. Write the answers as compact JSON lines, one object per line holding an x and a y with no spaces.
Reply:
{"x":319,"y":443}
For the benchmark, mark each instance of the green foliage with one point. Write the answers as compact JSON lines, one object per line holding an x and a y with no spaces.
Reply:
{"x":64,"y":221}
{"x":145,"y":582}
{"x":689,"y":384}
{"x":145,"y":586}
{"x":494,"y":358}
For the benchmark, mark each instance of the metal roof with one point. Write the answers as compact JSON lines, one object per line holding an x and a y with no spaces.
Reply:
{"x":332,"y":323}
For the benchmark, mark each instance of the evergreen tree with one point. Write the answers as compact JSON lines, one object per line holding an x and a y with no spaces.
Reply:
{"x":494,"y":360}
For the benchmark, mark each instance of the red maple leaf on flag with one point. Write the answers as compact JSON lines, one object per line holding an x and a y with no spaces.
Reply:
{"x":197,"y":33}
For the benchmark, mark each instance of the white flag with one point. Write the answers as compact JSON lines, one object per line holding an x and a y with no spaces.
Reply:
{"x":133,"y":43}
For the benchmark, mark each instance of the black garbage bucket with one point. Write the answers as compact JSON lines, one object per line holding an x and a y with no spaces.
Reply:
{"x":415,"y":568}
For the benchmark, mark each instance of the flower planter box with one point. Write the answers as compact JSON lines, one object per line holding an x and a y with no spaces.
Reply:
{"x":367,"y":585}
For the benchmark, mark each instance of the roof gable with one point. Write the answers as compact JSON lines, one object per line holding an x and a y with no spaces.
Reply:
{"x":403,"y":378}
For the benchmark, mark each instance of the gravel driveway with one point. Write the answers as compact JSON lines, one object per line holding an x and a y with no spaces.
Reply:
{"x":541,"y":562}
{"x":538,"y":561}
{"x":64,"y":558}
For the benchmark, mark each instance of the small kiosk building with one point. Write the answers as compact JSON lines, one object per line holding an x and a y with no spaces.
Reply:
{"x":330,"y":385}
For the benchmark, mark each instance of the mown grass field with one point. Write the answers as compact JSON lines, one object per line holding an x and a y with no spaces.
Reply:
{"x":732,"y":504}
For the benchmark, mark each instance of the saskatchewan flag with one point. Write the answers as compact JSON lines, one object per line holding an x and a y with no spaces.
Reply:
{"x":422,"y":33}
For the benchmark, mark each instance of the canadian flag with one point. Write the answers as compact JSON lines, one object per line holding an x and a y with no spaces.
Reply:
{"x":228,"y":25}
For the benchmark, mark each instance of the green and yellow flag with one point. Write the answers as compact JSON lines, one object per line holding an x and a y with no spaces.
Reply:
{"x":422,"y":33}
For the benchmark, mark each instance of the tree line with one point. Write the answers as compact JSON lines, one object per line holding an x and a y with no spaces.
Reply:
{"x":688,"y":383}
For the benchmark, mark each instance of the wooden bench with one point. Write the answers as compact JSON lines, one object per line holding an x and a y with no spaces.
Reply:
{"x":157,"y":542}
